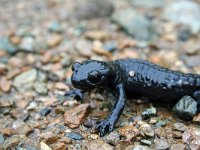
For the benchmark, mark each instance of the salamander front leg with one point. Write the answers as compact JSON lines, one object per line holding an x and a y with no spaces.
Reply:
{"x":74,"y":94}
{"x":196,"y":96}
{"x":109,"y":122}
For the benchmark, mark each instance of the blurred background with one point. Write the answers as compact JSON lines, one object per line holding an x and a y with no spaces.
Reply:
{"x":39,"y":40}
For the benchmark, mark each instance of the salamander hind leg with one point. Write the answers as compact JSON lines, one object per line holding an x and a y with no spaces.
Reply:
{"x":196,"y":96}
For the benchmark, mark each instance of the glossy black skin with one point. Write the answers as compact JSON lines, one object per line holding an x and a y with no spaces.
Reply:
{"x":133,"y":77}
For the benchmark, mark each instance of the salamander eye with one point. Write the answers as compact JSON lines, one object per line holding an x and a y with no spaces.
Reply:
{"x":94,"y":77}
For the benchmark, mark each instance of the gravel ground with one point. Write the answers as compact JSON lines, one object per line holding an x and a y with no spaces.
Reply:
{"x":39,"y":40}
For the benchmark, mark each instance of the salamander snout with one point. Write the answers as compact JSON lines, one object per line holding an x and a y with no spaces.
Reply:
{"x":89,"y":74}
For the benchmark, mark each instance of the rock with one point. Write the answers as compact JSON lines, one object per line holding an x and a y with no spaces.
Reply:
{"x":177,"y":134}
{"x":84,"y":48}
{"x":15,"y":40}
{"x":6,"y":102}
{"x":87,"y":9}
{"x":40,"y":88}
{"x":5,"y":45}
{"x":150,"y":112}
{"x":27,"y":44}
{"x":45,"y":111}
{"x":192,"y":61}
{"x":67,"y":61}
{"x":54,"y":41}
{"x":94,"y":136}
{"x":133,"y":23}
{"x":148,"y":3}
{"x":44,"y":146}
{"x":129,"y":131}
{"x":24,"y":129}
{"x":60,"y":146}
{"x":74,"y":136}
{"x":7,"y":131}
{"x":32,"y":106}
{"x":161,"y":144}
{"x":161,"y":123}
{"x":74,"y":117}
{"x":192,"y":138}
{"x":25,"y":80}
{"x":2,"y":139}
{"x":112,"y":138}
{"x":184,"y":35}
{"x":61,"y":86}
{"x":179,"y":126}
{"x":99,"y":145}
{"x":186,"y":108}
{"x":55,"y":27}
{"x":98,"y":48}
{"x":70,"y":103}
{"x":49,"y":137}
{"x":17,"y":124}
{"x":13,"y":141}
{"x":110,"y":46}
{"x":138,"y":147}
{"x":147,"y":130}
{"x":5,"y":84}
{"x":97,"y":35}
{"x":178,"y":147}
{"x":184,"y":12}
{"x":196,"y":119}
{"x":146,"y":142}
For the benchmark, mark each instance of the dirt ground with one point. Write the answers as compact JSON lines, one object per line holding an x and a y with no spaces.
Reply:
{"x":40,"y":40}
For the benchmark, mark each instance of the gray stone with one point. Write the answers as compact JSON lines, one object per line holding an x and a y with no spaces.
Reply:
{"x":146,"y":142}
{"x":147,"y":130}
{"x":1,"y":139}
{"x":74,"y":136}
{"x":112,"y":138}
{"x":186,"y":108}
{"x":27,"y":44}
{"x":25,"y":80}
{"x":55,"y":27}
{"x":138,"y":147}
{"x":148,"y":3}
{"x":147,"y":113}
{"x":161,"y":144}
{"x":135,"y":24}
{"x":40,"y":88}
{"x":179,"y":126}
{"x":87,"y":9}
{"x":7,"y":46}
{"x":184,"y":12}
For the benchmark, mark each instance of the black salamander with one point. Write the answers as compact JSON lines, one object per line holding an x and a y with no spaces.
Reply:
{"x":132,"y":77}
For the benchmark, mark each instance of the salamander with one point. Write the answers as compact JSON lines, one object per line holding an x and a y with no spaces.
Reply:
{"x":132,"y":78}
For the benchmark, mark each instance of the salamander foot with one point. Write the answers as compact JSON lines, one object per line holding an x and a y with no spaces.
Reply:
{"x":105,"y":125}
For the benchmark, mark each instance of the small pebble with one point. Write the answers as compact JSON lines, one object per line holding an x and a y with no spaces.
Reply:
{"x":74,"y":136}
{"x":94,"y":136}
{"x":147,"y":113}
{"x":146,"y":142}
{"x":44,"y":146}
{"x":179,"y":126}
{"x":112,"y":138}
{"x":55,"y":27}
{"x":161,"y":144}
{"x":2,"y":139}
{"x":45,"y":111}
{"x":147,"y":130}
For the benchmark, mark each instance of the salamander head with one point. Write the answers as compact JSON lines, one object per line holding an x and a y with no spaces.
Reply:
{"x":91,"y":74}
